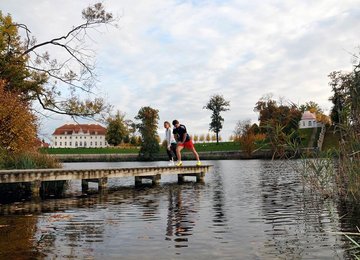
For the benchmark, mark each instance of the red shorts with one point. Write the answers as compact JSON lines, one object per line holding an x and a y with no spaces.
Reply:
{"x":188,"y":145}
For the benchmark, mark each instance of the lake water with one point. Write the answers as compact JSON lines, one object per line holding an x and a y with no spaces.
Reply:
{"x":246,"y":209}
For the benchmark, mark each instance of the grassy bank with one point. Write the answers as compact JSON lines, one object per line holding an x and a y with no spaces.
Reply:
{"x":200,"y":147}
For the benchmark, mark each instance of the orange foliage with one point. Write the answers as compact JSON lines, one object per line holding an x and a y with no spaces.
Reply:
{"x":17,"y":123}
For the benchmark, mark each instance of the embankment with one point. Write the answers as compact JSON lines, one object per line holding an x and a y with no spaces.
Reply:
{"x":213,"y":155}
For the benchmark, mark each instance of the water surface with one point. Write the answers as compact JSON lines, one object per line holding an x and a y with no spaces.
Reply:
{"x":246,"y":209}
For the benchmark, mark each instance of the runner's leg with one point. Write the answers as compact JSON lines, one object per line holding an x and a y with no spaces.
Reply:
{"x":195,"y":153}
{"x":178,"y":152}
{"x":173,"y":149}
{"x":169,"y":154}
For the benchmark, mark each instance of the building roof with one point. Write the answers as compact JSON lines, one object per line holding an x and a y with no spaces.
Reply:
{"x":92,"y":129}
{"x":307,"y":115}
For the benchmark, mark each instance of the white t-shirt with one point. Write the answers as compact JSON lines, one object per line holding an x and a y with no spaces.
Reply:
{"x":169,"y":137}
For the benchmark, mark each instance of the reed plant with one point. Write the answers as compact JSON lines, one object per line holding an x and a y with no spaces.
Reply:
{"x":355,"y":250}
{"x":320,"y":173}
{"x":29,"y":160}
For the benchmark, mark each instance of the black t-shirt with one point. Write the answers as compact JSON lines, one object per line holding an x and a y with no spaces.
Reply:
{"x":180,"y":132}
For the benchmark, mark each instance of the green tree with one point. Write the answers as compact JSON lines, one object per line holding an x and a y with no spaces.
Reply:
{"x":116,"y":129}
{"x":133,"y":140}
{"x":345,"y":115}
{"x":217,"y":104}
{"x":148,"y":129}
{"x":340,"y":84}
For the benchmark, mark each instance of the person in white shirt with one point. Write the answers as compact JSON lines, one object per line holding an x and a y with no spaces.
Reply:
{"x":170,"y":143}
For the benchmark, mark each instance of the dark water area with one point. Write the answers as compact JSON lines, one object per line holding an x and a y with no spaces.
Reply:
{"x":246,"y":209}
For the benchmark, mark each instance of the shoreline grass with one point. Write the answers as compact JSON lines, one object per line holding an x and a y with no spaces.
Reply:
{"x":200,"y":147}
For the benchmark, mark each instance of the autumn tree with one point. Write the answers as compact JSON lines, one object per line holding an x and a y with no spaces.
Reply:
{"x":245,"y":135}
{"x":208,"y":137}
{"x":314,"y":107}
{"x":117,"y":129}
{"x":279,"y":122}
{"x":202,"y":138}
{"x":214,"y":138}
{"x":196,"y":138}
{"x":311,"y":106}
{"x":217,"y":104}
{"x":148,"y":129}
{"x":18,"y":125}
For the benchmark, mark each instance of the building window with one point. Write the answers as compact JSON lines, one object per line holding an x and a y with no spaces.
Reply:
{"x":80,"y":144}
{"x":60,"y":144}
{"x":303,"y":123}
{"x":76,"y":144}
{"x":55,"y":137}
{"x":309,"y":123}
{"x":70,"y":143}
{"x":55,"y":143}
{"x":90,"y":143}
{"x":60,"y":137}
{"x":65,"y":143}
{"x":84,"y":144}
{"x":69,"y":137}
{"x":95,"y":143}
{"x":80,"y":137}
{"x":100,"y":143}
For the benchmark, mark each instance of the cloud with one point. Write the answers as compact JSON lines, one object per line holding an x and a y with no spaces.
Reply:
{"x":173,"y":55}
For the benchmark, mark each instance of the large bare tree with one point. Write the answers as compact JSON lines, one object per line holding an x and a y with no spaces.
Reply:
{"x":57,"y":84}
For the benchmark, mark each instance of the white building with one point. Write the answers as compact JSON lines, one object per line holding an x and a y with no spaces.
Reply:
{"x":308,"y":120}
{"x":79,"y":135}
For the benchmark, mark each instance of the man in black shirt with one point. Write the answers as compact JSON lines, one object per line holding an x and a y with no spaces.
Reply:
{"x":183,"y":141}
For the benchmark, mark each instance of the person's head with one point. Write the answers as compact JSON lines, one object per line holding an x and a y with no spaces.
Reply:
{"x":167,"y":124}
{"x":175,"y":123}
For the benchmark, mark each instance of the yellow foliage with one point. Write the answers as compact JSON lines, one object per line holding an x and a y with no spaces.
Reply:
{"x":18,"y":127}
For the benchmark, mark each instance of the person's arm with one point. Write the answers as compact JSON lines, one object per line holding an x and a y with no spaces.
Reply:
{"x":168,"y":138}
{"x":184,"y":136}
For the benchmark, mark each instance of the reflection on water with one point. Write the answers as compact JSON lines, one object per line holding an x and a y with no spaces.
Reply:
{"x":245,"y":210}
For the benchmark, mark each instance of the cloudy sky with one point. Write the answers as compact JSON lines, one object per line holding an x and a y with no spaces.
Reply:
{"x":173,"y":55}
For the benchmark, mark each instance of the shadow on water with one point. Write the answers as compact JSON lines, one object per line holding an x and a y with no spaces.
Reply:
{"x":182,"y":214}
{"x":68,"y":227}
{"x":218,"y":203}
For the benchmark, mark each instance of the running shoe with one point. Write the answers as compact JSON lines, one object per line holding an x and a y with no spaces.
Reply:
{"x":198,"y":163}
{"x":179,"y":163}
{"x":171,"y":163}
